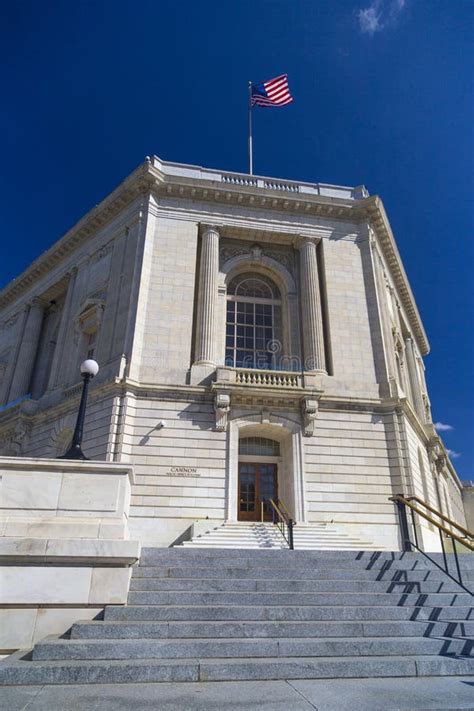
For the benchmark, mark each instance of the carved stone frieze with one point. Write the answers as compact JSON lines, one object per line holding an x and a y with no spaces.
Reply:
{"x":12,"y":441}
{"x":436,"y":456}
{"x":228,"y":252}
{"x":256,"y":252}
{"x":282,"y":257}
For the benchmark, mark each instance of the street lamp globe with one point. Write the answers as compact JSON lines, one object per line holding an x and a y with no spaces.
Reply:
{"x":89,"y":367}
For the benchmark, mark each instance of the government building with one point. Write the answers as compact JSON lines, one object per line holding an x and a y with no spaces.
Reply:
{"x":257,"y":339}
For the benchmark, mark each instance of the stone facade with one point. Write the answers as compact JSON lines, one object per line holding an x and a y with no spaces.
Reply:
{"x":145,"y":283}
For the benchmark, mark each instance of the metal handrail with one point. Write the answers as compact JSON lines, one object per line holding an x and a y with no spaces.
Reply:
{"x":467,"y":533}
{"x":406,"y":500}
{"x":403,"y":502}
{"x":284,"y":522}
{"x":284,"y":507}
{"x":278,"y":510}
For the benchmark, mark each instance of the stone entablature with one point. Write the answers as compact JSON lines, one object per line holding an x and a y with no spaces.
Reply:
{"x":160,"y":177}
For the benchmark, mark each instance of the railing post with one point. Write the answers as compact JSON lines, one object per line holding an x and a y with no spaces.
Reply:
{"x":403,"y":521}
{"x":290,"y":534}
{"x":444,"y":551}
{"x":413,"y":523}
{"x":457,"y":560}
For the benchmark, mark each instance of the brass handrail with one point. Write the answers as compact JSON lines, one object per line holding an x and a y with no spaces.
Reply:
{"x":407,"y":502}
{"x":285,"y":523}
{"x":279,"y":512}
{"x":469,"y":534}
{"x":284,"y":507}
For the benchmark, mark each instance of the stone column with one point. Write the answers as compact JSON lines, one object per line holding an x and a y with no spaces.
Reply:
{"x":414,"y":379}
{"x":313,"y":337}
{"x":207,"y":310}
{"x":28,"y":348}
{"x":57,"y":365}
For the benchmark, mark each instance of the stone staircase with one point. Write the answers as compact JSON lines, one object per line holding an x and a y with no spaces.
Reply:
{"x":215,"y":615}
{"x":242,"y":535}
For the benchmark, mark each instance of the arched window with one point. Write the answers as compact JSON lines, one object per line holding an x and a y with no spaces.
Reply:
{"x":253,"y":323}
{"x":259,"y":446}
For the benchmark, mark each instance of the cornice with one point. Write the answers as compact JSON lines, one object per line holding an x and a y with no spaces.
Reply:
{"x":195,"y":183}
{"x":377,"y":217}
{"x":137,"y":184}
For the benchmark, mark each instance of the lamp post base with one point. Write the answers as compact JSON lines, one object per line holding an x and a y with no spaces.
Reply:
{"x":74,"y":452}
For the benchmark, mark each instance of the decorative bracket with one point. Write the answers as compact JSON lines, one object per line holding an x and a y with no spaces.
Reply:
{"x":221,"y":407}
{"x":309,"y":412}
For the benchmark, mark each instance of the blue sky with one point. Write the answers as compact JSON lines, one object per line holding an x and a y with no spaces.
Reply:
{"x":383,"y":96}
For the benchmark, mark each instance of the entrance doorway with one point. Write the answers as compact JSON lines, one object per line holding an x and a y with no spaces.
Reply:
{"x":258,"y":483}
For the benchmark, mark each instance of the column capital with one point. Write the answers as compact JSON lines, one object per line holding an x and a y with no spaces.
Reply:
{"x":302,"y":240}
{"x":205,"y":228}
{"x":37,"y":301}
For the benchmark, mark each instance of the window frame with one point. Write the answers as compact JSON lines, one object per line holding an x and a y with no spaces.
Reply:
{"x":247,"y":353}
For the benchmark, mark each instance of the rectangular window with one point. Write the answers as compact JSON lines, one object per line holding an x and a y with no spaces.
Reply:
{"x":251,"y":331}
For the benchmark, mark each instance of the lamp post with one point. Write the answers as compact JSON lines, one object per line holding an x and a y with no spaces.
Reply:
{"x":89,"y":368}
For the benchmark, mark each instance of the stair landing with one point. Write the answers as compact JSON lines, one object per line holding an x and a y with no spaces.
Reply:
{"x":323,"y":536}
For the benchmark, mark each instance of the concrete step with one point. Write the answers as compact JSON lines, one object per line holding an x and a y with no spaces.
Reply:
{"x":294,"y":560}
{"x":419,"y":574}
{"x":277,"y":537}
{"x":296,"y":598}
{"x":63,"y":649}
{"x":333,"y":667}
{"x":268,"y":536}
{"x":273,"y":556}
{"x":15,"y":670}
{"x":290,"y":586}
{"x":99,"y":629}
{"x":249,"y":546}
{"x":294,"y":612}
{"x":178,"y":553}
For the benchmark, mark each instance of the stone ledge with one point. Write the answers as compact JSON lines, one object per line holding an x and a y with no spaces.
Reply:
{"x":73,"y":552}
{"x":66,"y":465}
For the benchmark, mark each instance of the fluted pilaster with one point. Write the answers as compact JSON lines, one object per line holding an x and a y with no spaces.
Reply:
{"x":414,"y":379}
{"x":207,"y":311}
{"x":313,"y":336}
{"x":28,"y":348}
{"x":57,"y":367}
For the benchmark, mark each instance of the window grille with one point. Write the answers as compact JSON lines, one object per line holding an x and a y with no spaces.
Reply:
{"x":259,"y":446}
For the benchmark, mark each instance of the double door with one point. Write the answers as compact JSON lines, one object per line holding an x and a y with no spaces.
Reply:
{"x":258,"y":483}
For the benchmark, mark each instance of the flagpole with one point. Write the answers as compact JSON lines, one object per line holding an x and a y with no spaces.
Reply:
{"x":250,"y":131}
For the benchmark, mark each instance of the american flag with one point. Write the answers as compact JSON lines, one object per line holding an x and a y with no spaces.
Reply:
{"x":274,"y":92}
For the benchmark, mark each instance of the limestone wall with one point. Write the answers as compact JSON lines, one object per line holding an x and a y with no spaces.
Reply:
{"x":352,"y":321}
{"x":180,"y":470}
{"x":348,"y":474}
{"x":468,"y":501}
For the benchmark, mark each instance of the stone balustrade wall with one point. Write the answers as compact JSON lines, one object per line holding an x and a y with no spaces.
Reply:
{"x":64,"y":544}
